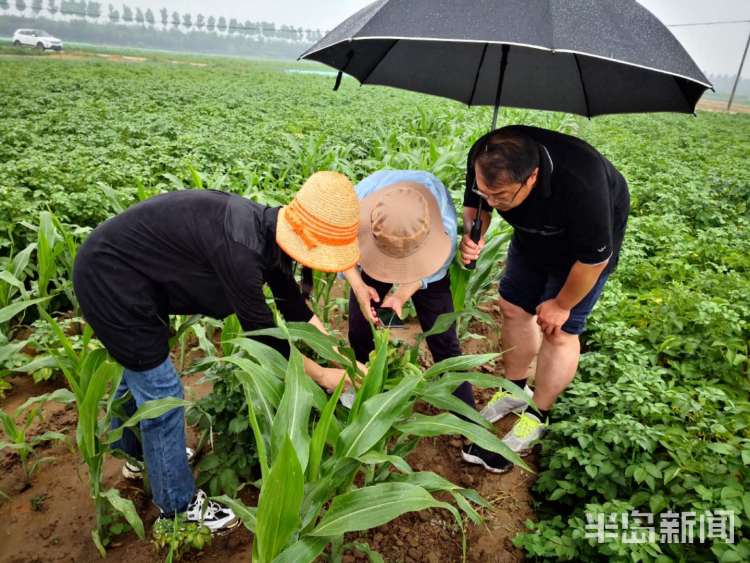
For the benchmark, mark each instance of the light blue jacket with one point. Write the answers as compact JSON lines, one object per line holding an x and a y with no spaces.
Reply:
{"x":384,"y":178}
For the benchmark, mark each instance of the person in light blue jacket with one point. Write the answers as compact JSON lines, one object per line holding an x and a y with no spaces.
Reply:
{"x":407,"y":239}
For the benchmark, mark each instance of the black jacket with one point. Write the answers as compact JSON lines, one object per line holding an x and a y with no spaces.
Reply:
{"x":188,"y":252}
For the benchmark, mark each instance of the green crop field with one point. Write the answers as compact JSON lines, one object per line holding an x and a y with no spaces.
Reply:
{"x":657,"y":419}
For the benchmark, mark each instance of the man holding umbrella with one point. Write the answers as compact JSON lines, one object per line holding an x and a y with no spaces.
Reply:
{"x":566,"y":202}
{"x":568,"y":206}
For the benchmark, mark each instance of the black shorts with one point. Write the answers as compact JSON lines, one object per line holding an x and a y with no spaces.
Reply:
{"x":526,"y":286}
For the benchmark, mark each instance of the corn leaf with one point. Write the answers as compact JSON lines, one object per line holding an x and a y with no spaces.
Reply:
{"x":376,"y":457}
{"x":443,"y":398}
{"x":278,"y":515}
{"x":449,"y":424}
{"x":459,"y":363}
{"x":442,"y":323}
{"x":293,"y":415}
{"x":8,"y":350}
{"x":373,"y":506}
{"x":21,"y":261}
{"x":320,"y":434}
{"x":127,"y":509}
{"x":376,"y":418}
{"x":230,"y":330}
{"x":46,"y":252}
{"x":245,"y":513}
{"x":483,"y":380}
{"x":323,"y":344}
{"x":88,"y":409}
{"x":263,"y":354}
{"x":10,"y":311}
{"x":39,"y":362}
{"x":303,"y":550}
{"x":375,"y":378}
{"x":148,"y":410}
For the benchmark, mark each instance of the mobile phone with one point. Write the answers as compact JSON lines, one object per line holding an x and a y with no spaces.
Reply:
{"x":389,"y":318}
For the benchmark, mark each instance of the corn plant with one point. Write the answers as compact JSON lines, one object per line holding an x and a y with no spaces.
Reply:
{"x":56,"y":250}
{"x":13,"y":274}
{"x":9,"y":354}
{"x":19,"y":439}
{"x":14,"y":296}
{"x":93,"y":378}
{"x":320,"y":296}
{"x":312,"y":464}
{"x":180,"y":334}
{"x":470,"y":288}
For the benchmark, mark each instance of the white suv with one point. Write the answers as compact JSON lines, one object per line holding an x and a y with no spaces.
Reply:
{"x":36,"y":38}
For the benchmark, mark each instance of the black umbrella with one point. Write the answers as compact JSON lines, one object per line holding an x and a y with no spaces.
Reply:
{"x":588,"y":57}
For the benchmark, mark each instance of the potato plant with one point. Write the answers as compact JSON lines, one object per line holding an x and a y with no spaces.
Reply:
{"x":658,"y":418}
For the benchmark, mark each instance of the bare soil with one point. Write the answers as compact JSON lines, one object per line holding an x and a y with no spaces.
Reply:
{"x":51,"y":519}
{"x":718,"y":105}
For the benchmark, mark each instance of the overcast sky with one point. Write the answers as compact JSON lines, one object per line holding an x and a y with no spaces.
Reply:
{"x":716,"y":49}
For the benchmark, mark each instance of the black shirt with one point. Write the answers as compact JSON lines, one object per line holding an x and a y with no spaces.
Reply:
{"x":187,"y":252}
{"x":578,"y":209}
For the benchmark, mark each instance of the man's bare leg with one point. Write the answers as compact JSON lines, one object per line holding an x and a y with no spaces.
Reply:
{"x":521,"y":340}
{"x":555,"y":367}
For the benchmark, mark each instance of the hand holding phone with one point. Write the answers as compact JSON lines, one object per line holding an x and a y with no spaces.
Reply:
{"x":389,"y":318}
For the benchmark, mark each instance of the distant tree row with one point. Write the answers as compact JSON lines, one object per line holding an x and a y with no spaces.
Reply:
{"x":144,"y":37}
{"x":92,"y":11}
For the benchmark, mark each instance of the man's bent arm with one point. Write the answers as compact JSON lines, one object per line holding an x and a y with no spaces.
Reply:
{"x":581,"y":280}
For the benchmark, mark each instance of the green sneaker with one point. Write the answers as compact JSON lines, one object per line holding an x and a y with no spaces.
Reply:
{"x":503,"y":403}
{"x":527,"y":430}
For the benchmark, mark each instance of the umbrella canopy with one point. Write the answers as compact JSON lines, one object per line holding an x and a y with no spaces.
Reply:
{"x":588,"y":57}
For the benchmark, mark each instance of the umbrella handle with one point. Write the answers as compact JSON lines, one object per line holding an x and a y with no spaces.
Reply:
{"x":475,"y":234}
{"x":476,"y":226}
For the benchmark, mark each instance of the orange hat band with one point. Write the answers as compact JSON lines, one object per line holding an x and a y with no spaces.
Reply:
{"x":314,"y":231}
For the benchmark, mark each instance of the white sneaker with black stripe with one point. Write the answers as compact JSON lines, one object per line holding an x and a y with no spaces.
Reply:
{"x":134,"y":472}
{"x":202,"y":511}
{"x":212,"y":515}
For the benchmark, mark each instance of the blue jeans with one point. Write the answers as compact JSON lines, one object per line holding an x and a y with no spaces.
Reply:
{"x":523,"y":284}
{"x":163,"y":448}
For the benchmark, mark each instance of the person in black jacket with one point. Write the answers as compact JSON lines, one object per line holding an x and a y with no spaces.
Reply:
{"x":568,"y":207}
{"x":203,"y":252}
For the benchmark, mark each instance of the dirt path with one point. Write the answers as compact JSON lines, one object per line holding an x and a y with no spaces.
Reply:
{"x":51,"y":520}
{"x":717,"y":105}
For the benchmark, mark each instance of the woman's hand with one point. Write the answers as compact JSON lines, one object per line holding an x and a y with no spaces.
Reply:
{"x":365,"y":295}
{"x":329,"y":378}
{"x":394,"y":302}
{"x":398,"y":298}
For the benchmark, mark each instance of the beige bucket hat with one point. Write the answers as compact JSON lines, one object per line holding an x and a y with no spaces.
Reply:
{"x":319,"y":227}
{"x":401,"y":234}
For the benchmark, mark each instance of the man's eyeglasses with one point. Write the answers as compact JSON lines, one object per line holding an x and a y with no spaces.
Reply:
{"x":496,"y":196}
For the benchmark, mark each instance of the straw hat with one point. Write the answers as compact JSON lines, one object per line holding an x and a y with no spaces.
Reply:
{"x":319,"y":227}
{"x":401,"y":234}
